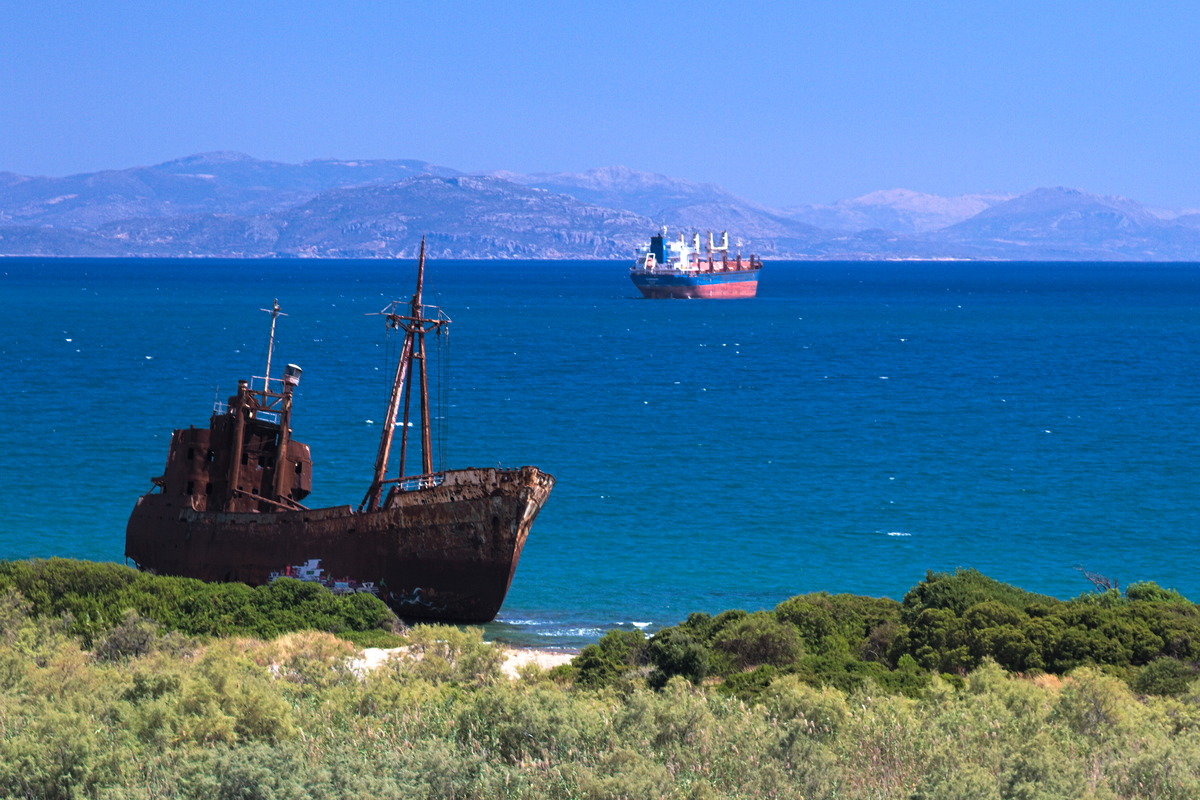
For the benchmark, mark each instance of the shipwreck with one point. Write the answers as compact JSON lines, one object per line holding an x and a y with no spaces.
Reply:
{"x":434,"y":545}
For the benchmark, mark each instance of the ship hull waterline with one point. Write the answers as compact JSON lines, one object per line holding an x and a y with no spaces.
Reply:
{"x":703,"y":286}
{"x":446,"y":553}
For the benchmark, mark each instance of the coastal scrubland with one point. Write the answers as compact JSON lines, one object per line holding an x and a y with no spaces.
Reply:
{"x":116,"y":685}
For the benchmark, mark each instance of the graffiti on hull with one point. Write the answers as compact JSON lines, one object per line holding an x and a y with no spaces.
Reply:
{"x":311,"y":571}
{"x":401,"y":599}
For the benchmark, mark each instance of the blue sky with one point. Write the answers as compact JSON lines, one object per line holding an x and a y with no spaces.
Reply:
{"x":780,"y":102}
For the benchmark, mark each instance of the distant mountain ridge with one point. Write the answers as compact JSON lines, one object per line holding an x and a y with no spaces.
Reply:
{"x":460,"y":216}
{"x":679,"y":204}
{"x":231,"y":204}
{"x":898,"y":210}
{"x":206,"y":183}
{"x":1073,"y":223}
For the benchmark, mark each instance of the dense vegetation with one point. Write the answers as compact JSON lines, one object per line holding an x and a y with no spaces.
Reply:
{"x":94,"y":597}
{"x":948,"y":623}
{"x":827,"y":697}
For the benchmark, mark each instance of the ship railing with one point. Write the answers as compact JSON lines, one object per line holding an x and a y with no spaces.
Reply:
{"x":419,"y":482}
{"x":221,"y":408}
{"x":414,"y":483}
{"x":274,"y":385}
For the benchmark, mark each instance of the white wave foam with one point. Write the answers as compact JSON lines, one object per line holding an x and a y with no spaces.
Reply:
{"x":572,"y":632}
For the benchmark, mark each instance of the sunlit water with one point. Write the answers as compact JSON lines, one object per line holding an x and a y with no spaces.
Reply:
{"x":850,"y":428}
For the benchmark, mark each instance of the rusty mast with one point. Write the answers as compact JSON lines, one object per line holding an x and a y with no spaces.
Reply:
{"x":275,"y":313}
{"x":413,"y":357}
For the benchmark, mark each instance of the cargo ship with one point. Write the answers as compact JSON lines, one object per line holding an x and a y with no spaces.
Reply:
{"x":434,"y":545}
{"x":679,"y":269}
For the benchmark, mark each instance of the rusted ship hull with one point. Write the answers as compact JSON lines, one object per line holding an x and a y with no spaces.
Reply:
{"x":447,"y":552}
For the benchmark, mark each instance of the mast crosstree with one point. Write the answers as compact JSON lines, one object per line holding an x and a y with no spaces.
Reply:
{"x":415,"y":324}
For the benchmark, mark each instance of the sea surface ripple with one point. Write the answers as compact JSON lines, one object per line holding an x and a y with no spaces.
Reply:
{"x":852,"y":427}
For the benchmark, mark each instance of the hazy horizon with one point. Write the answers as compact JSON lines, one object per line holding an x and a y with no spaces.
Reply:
{"x":794,"y":105}
{"x":1182,"y":209}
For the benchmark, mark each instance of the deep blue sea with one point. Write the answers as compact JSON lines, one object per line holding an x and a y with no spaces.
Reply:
{"x":852,"y":427}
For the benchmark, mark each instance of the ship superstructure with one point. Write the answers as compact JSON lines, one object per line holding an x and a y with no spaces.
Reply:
{"x":680,"y":268}
{"x":437,"y":545}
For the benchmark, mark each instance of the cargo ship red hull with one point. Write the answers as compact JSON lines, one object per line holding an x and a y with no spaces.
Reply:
{"x":720,"y":285}
{"x":674,"y":269}
{"x":447,"y":552}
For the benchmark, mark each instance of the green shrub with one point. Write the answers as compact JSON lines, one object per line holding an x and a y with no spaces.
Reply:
{"x":287,"y":719}
{"x":1151,"y":592}
{"x":759,"y":639}
{"x":373,"y":637}
{"x":749,"y":686}
{"x":96,"y":596}
{"x":676,"y":652}
{"x":958,"y":591}
{"x":845,"y":622}
{"x":446,"y":654}
{"x":135,"y":636}
{"x":1165,"y":676}
{"x":944,"y":630}
{"x":617,"y":653}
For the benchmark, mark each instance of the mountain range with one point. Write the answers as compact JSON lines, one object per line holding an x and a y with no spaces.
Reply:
{"x":230,"y":204}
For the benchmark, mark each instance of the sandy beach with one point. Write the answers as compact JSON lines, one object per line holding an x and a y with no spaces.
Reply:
{"x":514,"y":658}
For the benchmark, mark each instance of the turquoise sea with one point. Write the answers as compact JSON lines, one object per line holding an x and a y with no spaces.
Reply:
{"x":852,"y":427}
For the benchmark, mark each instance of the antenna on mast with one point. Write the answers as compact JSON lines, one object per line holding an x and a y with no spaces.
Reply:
{"x":275,"y":314}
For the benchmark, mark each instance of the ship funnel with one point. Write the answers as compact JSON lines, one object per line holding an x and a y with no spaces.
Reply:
{"x":291,"y":375}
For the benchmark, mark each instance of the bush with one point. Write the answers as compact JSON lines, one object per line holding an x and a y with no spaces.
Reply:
{"x":845,"y":622}
{"x":749,"y":686}
{"x":445,"y":654}
{"x":1151,"y":592}
{"x":96,"y":596}
{"x":759,"y":639}
{"x":1164,"y":676}
{"x":616,"y":653}
{"x":373,"y":637}
{"x":958,"y":591}
{"x":944,"y":630}
{"x":135,"y":636}
{"x":676,"y":652}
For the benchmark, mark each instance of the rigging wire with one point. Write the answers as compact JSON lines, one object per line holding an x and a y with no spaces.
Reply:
{"x":390,"y":354}
{"x":443,"y":356}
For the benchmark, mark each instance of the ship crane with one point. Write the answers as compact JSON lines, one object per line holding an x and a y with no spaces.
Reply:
{"x":681,"y":267}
